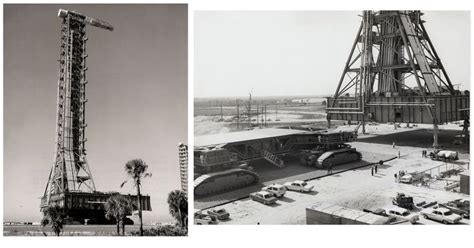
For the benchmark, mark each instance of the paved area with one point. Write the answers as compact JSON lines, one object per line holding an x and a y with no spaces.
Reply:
{"x":353,"y":189}
{"x":293,"y":170}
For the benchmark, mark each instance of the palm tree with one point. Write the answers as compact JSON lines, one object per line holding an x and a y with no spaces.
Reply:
{"x":178,"y":207}
{"x":55,"y":216}
{"x":118,"y":207}
{"x":136,"y":170}
{"x":111,"y":210}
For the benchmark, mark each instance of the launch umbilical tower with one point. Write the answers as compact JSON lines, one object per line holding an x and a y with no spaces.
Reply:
{"x":70,"y":171}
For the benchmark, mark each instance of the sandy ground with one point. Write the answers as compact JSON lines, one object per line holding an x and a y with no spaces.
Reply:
{"x":204,"y":125}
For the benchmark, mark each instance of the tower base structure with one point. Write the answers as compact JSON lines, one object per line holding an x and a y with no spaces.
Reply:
{"x":88,"y":208}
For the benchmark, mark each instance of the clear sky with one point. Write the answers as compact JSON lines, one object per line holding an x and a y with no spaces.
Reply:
{"x":137,"y":95}
{"x":275,"y":53}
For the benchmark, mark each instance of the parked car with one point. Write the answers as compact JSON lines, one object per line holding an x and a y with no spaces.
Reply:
{"x":403,"y":214}
{"x":298,"y":185}
{"x":264,"y":197}
{"x":442,"y":215}
{"x":220,"y":213}
{"x":277,"y":190}
{"x":460,"y":203}
{"x":380,"y":211}
{"x":460,"y":207}
{"x":204,"y":219}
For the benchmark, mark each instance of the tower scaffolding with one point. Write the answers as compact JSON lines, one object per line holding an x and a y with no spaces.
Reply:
{"x":394,"y":74}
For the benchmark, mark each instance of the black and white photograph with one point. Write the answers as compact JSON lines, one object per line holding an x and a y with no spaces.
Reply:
{"x":232,"y":123}
{"x":95,"y":120}
{"x":331,"y":117}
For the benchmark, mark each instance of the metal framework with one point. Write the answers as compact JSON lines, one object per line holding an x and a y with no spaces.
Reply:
{"x":394,"y":69}
{"x":217,"y":157}
{"x":70,"y":171}
{"x":183,"y":165}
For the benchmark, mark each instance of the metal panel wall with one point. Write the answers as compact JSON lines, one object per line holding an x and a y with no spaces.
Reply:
{"x":407,"y":109}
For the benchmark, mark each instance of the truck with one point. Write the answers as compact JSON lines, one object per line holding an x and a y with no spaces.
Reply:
{"x":277,"y":190}
{"x":403,"y":201}
{"x":413,"y":177}
{"x":444,"y":155}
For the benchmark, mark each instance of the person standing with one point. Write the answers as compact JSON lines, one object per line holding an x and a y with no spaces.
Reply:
{"x":376,"y":169}
{"x":330,"y":169}
{"x":372,"y":171}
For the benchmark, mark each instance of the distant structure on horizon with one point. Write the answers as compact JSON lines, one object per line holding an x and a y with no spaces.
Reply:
{"x":183,"y":166}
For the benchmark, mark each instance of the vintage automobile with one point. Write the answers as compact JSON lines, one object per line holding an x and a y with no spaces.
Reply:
{"x":277,"y":190}
{"x":264,"y":197}
{"x":298,"y":185}
{"x":204,"y":219}
{"x":441,"y":214}
{"x":459,"y":206}
{"x":219,"y":213}
{"x":403,"y":214}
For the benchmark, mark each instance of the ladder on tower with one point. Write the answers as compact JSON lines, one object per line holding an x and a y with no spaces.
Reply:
{"x":272,"y":158}
{"x":419,"y":55}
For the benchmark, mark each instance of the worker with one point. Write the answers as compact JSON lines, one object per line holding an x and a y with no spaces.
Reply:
{"x":398,"y":154}
{"x":330,"y":169}
{"x":393,"y":144}
{"x":372,"y":171}
{"x":375,"y":169}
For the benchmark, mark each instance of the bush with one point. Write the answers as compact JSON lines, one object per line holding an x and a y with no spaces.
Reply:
{"x":164,"y":230}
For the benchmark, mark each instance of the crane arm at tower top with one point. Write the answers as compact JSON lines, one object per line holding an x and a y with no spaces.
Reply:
{"x":87,"y":19}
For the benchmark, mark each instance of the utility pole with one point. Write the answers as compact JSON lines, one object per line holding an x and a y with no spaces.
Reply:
{"x":222,"y":115}
{"x":249,"y":110}
{"x":276,"y":111}
{"x":265,"y":115}
{"x":238,"y":114}
{"x":257,"y":116}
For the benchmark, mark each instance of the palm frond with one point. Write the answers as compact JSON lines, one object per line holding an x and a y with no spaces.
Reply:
{"x":123,"y":183}
{"x":147,"y":175}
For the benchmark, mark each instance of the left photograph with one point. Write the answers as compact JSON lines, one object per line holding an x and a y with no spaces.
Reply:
{"x":95,"y":120}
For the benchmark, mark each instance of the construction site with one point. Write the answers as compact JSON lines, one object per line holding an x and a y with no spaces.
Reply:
{"x":390,"y":146}
{"x":70,"y":184}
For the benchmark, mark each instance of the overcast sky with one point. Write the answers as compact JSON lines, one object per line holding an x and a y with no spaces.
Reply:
{"x":275,"y":53}
{"x":137,"y":95}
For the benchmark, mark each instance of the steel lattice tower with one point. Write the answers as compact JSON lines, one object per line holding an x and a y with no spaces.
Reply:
{"x":394,"y":74}
{"x":70,"y":171}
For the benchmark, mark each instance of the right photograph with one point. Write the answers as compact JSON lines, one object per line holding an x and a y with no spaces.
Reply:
{"x":332,"y":117}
